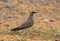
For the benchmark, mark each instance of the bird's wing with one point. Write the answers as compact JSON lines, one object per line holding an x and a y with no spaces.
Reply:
{"x":27,"y":24}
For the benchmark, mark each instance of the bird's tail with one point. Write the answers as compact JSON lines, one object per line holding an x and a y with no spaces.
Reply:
{"x":18,"y":28}
{"x":15,"y":29}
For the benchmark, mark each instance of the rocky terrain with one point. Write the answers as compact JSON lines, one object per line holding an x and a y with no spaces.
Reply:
{"x":46,"y":20}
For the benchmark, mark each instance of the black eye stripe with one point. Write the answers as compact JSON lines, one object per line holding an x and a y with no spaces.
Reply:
{"x":33,"y":12}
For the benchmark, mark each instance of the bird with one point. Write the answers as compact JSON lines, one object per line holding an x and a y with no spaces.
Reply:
{"x":27,"y":24}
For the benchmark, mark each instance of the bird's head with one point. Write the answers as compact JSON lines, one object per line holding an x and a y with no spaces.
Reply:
{"x":32,"y":13}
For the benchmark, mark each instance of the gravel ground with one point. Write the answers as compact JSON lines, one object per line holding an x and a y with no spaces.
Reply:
{"x":15,"y":12}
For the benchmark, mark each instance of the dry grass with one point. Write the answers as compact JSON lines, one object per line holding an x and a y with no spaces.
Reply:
{"x":45,"y":28}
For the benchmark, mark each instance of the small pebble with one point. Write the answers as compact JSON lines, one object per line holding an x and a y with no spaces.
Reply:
{"x":9,"y":17}
{"x":7,"y":25}
{"x":56,"y":40}
{"x":2,"y":40}
{"x":52,"y":20}
{"x":9,"y":6}
{"x":46,"y":20}
{"x":0,"y":23}
{"x":4,"y":0}
{"x":51,"y":27}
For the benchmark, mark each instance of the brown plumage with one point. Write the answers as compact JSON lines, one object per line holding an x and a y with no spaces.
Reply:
{"x":27,"y":24}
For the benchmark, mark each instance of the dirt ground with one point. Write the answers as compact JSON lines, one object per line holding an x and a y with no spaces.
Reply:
{"x":15,"y":12}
